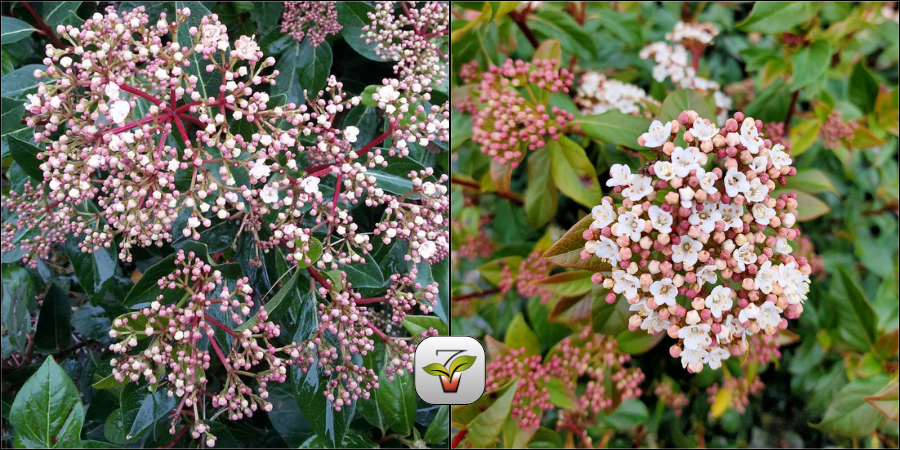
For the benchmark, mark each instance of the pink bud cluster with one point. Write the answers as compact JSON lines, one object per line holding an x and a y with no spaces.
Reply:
{"x":422,"y":222}
{"x":700,"y":244}
{"x":506,"y":122}
{"x":412,"y":119}
{"x":173,"y":358}
{"x":474,"y":246}
{"x":405,"y":295}
{"x":414,"y":34}
{"x":313,"y":20}
{"x":775,"y":131}
{"x":531,"y":269}
{"x":741,"y":389}
{"x":588,"y":355}
{"x":835,"y":130}
{"x":666,"y":394}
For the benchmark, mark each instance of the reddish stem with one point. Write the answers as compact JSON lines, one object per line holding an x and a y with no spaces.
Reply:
{"x":378,"y":332}
{"x":318,"y":277}
{"x":476,"y":294}
{"x":183,"y":431}
{"x":182,"y":131}
{"x":377,"y":141}
{"x":221,"y":355}
{"x":192,"y":119}
{"x":220,"y":326}
{"x":140,"y":93}
{"x":45,"y":30}
{"x":458,"y":438}
{"x":366,"y":301}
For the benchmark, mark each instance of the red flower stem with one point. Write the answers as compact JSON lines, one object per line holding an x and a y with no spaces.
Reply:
{"x":317,"y":169}
{"x":187,"y":106}
{"x":411,"y":19}
{"x":191,"y":119}
{"x":149,"y":119}
{"x":221,"y":355}
{"x":220,"y":326}
{"x":458,"y":438}
{"x":366,"y":301}
{"x":182,"y":131}
{"x":378,"y":332}
{"x":183,"y":431}
{"x":334,"y":202}
{"x":377,"y":141}
{"x":45,"y":30}
{"x":318,"y":277}
{"x":140,"y":93}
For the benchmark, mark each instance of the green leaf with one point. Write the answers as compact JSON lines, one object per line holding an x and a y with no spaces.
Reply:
{"x":567,"y":284}
{"x":485,"y":428}
{"x":541,"y":195}
{"x":803,"y":135}
{"x":566,"y":252}
{"x":810,"y":64}
{"x":439,"y":273}
{"x":397,"y":401}
{"x":353,"y":16}
{"x":91,"y":321}
{"x":302,"y":71}
{"x":863,"y":88}
{"x":849,"y":415}
{"x":545,"y":438}
{"x":366,"y":275}
{"x":859,"y":326}
{"x":683,"y":100}
{"x":146,"y":290}
{"x":461,"y":364}
{"x":552,"y":23}
{"x":637,"y":342}
{"x":418,"y":324}
{"x":809,"y":207}
{"x":812,"y":181}
{"x":573,"y":172}
{"x":54,"y":327}
{"x":330,"y":425}
{"x":18,"y":303}
{"x":276,"y":306}
{"x":437,"y":370}
{"x":613,"y":127}
{"x":11,"y":120}
{"x":886,"y":401}
{"x":207,"y":82}
{"x":439,"y":430}
{"x":92,"y":269}
{"x":629,"y":415}
{"x":20,"y":81}
{"x":394,"y":178}
{"x":623,"y":26}
{"x":561,"y":394}
{"x":461,"y":124}
{"x":154,"y":407}
{"x":366,"y":120}
{"x":47,"y":412}
{"x":61,"y":13}
{"x":770,"y":104}
{"x":25,"y":154}
{"x":605,"y":318}
{"x":777,"y":17}
{"x":519,"y":335}
{"x":14,"y":30}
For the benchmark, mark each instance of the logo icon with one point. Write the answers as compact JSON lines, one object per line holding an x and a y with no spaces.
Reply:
{"x":450,"y":370}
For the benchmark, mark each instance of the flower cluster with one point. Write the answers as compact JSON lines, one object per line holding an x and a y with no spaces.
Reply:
{"x":740,"y":388}
{"x":313,"y":20}
{"x":596,"y":94}
{"x":835,"y":130}
{"x":687,"y":34}
{"x":533,"y":268}
{"x":174,"y":359}
{"x":703,"y":253}
{"x":414,"y":35}
{"x":589,"y":355}
{"x":505,"y":122}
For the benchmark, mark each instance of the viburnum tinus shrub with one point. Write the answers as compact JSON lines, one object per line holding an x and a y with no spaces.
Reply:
{"x":672,"y":214}
{"x":286,"y":233}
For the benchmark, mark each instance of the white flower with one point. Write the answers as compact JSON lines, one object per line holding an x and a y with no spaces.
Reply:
{"x":693,"y":359}
{"x":769,"y":317}
{"x":706,"y":274}
{"x":310,"y":185}
{"x":766,"y":277}
{"x":762,"y":213}
{"x":661,"y":220}
{"x":707,"y":218}
{"x":112,"y":91}
{"x":665,"y":170}
{"x":756,"y":191}
{"x":703,"y":130}
{"x":630,"y":225}
{"x":664,"y":292}
{"x":715,"y":357}
{"x":641,"y":307}
{"x":791,"y":277}
{"x":748,"y":128}
{"x":759,"y":164}
{"x":95,"y":161}
{"x":260,"y":170}
{"x":782,"y":246}
{"x":654,"y":323}
{"x":686,"y":251}
{"x":245,"y":48}
{"x":625,"y":284}
{"x":744,"y":256}
{"x":607,"y":248}
{"x":637,"y":188}
{"x":193,"y":222}
{"x":735,"y":182}
{"x":118,"y":111}
{"x":657,"y":135}
{"x":719,"y":300}
{"x":695,"y":336}
{"x":351,"y":133}
{"x":427,"y":249}
{"x":604,"y":214}
{"x":269,"y":194}
{"x":779,"y":157}
{"x":707,"y":180}
{"x":748,"y":313}
{"x":685,"y":160}
{"x":619,"y":174}
{"x":387,"y":94}
{"x":732,"y":215}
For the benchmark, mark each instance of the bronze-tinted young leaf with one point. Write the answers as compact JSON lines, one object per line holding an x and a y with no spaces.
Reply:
{"x":569,"y":284}
{"x":566,"y":252}
{"x":571,"y":309}
{"x":886,"y":401}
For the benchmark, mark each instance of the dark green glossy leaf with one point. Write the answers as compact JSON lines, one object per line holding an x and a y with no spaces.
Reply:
{"x":47,"y":412}
{"x":353,"y":16}
{"x":61,"y":13}
{"x":14,"y":30}
{"x":862,"y":88}
{"x":302,"y":71}
{"x":25,"y":154}
{"x":54,"y":327}
{"x":18,"y":303}
{"x":20,"y":82}
{"x":366,"y":275}
{"x":92,"y":269}
{"x":208,"y":82}
{"x":439,"y":430}
{"x":331,"y":426}
{"x":810,"y":63}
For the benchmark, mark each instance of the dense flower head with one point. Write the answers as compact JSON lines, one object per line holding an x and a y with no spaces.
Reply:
{"x":700,"y":243}
{"x":687,"y":33}
{"x":532,"y":269}
{"x":596,"y":94}
{"x":835,"y":130}
{"x":413,"y":34}
{"x":312,"y":20}
{"x":588,"y":355}
{"x":507,"y":121}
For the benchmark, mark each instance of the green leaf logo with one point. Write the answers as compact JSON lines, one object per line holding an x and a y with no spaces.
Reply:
{"x":462,"y":363}
{"x":437,"y":370}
